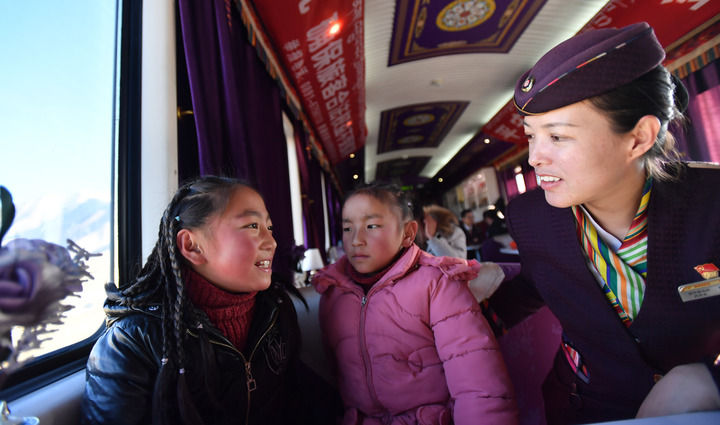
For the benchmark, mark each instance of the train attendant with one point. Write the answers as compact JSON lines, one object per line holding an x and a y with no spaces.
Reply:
{"x":619,"y":235}
{"x":203,"y":335}
{"x":409,"y":343}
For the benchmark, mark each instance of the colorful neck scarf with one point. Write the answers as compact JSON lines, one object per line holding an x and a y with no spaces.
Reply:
{"x":623,"y":272}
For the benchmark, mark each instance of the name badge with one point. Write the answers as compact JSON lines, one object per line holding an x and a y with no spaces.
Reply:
{"x":697,"y":290}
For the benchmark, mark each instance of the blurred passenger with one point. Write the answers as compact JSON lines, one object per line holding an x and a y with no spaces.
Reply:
{"x":473,"y":234}
{"x":487,"y":221}
{"x":444,"y":236}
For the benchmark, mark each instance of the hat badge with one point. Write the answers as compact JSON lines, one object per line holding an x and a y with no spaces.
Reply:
{"x":527,"y":85}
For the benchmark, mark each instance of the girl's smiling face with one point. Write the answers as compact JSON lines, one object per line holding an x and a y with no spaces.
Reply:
{"x":373,"y":233}
{"x":236,"y":247}
{"x":578,"y":158}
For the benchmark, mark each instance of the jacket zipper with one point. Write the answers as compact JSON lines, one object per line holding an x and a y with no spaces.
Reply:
{"x":251,"y":385}
{"x":249,"y":380}
{"x":365,"y":354}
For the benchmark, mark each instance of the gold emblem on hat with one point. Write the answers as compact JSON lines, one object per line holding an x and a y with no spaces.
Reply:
{"x":527,"y":85}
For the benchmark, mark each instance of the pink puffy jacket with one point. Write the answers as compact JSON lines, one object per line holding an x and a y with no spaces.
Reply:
{"x":415,"y":349}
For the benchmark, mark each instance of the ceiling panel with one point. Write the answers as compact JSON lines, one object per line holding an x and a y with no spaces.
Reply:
{"x":417,"y":126}
{"x":485,"y":80}
{"x":424,"y":29}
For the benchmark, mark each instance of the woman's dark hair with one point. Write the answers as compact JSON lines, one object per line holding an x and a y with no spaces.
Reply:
{"x":191,"y":207}
{"x":654,"y":93}
{"x":389,"y":194}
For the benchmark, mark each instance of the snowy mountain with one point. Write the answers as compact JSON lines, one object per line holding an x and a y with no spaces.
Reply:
{"x":57,"y":217}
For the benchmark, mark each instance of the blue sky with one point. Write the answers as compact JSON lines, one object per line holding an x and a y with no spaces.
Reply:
{"x":56,"y":82}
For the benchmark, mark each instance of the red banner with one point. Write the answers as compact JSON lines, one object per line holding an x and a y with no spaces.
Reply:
{"x":320,"y":44}
{"x":671,"y":20}
{"x":506,"y":125}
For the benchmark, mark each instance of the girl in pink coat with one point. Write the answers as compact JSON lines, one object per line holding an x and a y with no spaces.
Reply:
{"x":407,"y":338}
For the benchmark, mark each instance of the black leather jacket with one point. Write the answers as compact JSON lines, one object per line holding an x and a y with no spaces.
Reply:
{"x":257,"y":386}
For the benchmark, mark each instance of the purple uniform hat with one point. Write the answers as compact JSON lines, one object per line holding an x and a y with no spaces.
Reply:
{"x":587,"y":65}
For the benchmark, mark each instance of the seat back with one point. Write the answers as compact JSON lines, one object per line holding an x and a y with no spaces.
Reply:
{"x":529,"y":349}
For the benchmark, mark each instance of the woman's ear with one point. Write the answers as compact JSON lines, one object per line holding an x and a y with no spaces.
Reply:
{"x":187,"y":243}
{"x":644,"y":135}
{"x":409,"y":232}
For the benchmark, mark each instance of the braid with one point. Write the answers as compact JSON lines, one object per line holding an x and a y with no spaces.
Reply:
{"x":177,"y":305}
{"x":165,"y":246}
{"x":190,"y":208}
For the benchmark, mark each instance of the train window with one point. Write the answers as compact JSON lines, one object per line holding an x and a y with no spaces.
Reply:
{"x":57,"y":120}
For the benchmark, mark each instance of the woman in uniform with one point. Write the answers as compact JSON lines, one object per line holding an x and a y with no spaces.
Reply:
{"x":623,"y":240}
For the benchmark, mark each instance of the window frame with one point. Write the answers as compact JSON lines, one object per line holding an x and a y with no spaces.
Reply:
{"x":65,"y":361}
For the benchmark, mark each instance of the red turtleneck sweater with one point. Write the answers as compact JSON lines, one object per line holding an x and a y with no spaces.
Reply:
{"x":231,"y":313}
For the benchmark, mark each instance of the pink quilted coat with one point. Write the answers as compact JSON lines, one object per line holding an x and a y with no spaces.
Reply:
{"x":415,"y":349}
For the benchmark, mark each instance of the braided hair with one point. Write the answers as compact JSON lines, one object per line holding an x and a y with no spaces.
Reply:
{"x":161,"y":281}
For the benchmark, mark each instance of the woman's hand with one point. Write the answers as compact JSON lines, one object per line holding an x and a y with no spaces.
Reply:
{"x":487,"y":281}
{"x":686,"y":388}
{"x":430,"y":226}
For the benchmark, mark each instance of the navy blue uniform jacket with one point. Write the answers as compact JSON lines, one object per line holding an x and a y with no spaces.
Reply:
{"x":683,"y":232}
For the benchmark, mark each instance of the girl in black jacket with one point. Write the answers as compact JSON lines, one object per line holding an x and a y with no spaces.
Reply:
{"x":203,"y":335}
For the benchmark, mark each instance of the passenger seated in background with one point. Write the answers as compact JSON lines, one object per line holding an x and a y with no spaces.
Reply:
{"x":619,"y":227}
{"x":474,"y":236}
{"x":489,"y":217}
{"x":203,"y":335}
{"x":444,"y":236}
{"x":407,"y":338}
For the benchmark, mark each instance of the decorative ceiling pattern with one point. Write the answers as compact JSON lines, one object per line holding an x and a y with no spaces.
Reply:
{"x":405,"y":169}
{"x":485,"y":80}
{"x":401,"y":32}
{"x":425,"y":29}
{"x":417,"y":126}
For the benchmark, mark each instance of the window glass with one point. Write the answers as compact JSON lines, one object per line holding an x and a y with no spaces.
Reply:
{"x":56,"y":137}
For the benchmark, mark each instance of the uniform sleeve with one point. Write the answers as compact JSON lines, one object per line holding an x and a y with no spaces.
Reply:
{"x":474,"y":368}
{"x":120,"y":378}
{"x":454,"y":246}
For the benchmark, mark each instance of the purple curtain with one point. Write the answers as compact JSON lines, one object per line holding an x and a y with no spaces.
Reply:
{"x":701,"y":139}
{"x":237,"y":110}
{"x":311,"y":188}
{"x":506,"y":178}
{"x":316,"y":206}
{"x":530,"y":179}
{"x":334,"y":213}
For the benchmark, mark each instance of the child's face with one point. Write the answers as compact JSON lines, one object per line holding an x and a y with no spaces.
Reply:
{"x":238,"y":245}
{"x":372,"y":233}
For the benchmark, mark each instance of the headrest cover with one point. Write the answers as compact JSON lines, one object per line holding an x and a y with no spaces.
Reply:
{"x":587,"y":65}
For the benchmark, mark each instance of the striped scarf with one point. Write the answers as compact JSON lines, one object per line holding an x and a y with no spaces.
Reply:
{"x":623,"y":272}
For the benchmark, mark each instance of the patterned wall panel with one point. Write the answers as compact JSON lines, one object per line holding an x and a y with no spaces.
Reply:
{"x":428,"y":28}
{"x":417,"y":126}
